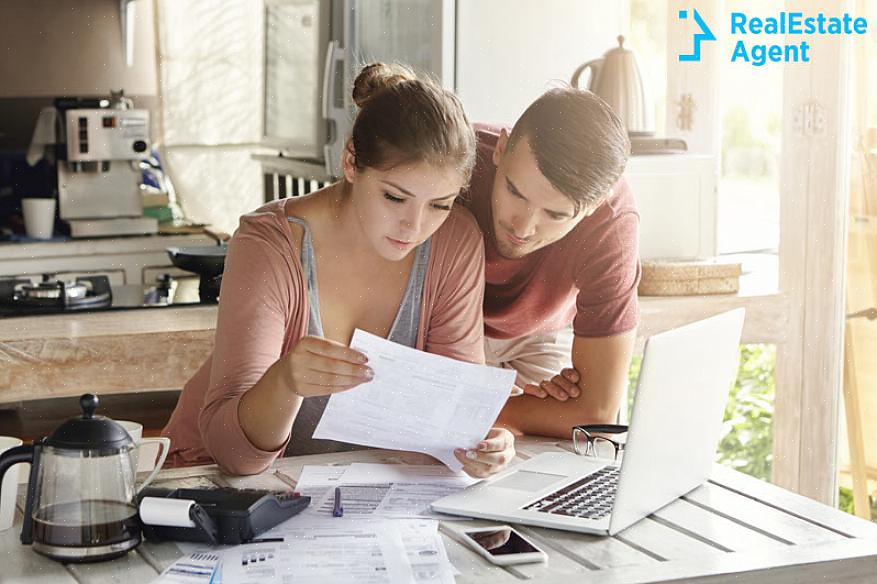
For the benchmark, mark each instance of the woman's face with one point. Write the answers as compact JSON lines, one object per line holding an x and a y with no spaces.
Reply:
{"x":400,"y":208}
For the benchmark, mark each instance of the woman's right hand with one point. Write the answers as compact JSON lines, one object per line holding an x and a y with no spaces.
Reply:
{"x":318,"y":366}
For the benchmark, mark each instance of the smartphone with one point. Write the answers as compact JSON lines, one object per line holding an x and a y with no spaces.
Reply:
{"x":503,"y":545}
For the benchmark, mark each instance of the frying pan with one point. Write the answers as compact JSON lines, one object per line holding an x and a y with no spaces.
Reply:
{"x":207,"y":261}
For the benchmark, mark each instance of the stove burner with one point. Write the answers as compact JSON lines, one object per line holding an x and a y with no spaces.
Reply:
{"x":48,"y":289}
{"x":57,"y":295}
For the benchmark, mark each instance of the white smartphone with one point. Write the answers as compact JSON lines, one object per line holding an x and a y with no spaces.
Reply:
{"x":503,"y":545}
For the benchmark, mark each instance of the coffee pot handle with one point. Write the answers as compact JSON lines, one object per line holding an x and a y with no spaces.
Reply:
{"x":164,"y":448}
{"x":595,"y":70}
{"x":14,"y":456}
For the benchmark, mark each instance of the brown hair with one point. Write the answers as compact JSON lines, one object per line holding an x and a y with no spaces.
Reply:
{"x":405,"y":119}
{"x":580,"y":144}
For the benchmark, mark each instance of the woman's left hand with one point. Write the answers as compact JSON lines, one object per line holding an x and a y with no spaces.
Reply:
{"x":492,"y":455}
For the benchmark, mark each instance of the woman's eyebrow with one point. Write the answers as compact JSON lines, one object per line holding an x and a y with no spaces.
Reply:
{"x":410,"y":194}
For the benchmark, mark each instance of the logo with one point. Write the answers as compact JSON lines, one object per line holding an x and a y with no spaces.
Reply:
{"x":705,"y":34}
{"x":757,"y":36}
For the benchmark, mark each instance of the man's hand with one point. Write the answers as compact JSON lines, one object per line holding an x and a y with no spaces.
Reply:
{"x":561,"y":387}
{"x":492,"y":455}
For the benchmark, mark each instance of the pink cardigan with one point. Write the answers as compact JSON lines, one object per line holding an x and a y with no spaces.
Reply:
{"x":264,"y":312}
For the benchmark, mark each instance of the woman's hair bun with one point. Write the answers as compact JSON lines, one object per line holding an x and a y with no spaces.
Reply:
{"x":378,"y":76}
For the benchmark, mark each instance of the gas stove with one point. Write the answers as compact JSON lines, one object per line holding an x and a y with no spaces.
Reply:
{"x":53,"y":294}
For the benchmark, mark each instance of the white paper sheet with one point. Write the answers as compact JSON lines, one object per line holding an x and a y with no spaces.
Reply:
{"x":319,"y":550}
{"x":363,"y":473}
{"x":318,"y":482}
{"x":417,"y":401}
{"x":379,"y":490}
{"x":199,"y":566}
{"x":426,"y":552}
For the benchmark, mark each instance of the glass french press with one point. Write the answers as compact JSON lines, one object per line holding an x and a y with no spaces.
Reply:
{"x":80,"y":495}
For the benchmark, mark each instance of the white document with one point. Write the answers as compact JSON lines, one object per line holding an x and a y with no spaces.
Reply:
{"x":426,"y":552}
{"x":413,"y":500}
{"x":198,"y":567}
{"x":318,"y":483}
{"x":321,"y":551}
{"x":417,"y":401}
{"x":364,"y":473}
{"x":411,"y":487}
{"x":423,"y":551}
{"x":379,"y":490}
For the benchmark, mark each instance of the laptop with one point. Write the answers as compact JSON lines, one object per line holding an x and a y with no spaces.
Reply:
{"x":676,"y":424}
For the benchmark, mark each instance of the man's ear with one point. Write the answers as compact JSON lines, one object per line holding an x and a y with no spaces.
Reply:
{"x":501,"y":144}
{"x":348,"y":162}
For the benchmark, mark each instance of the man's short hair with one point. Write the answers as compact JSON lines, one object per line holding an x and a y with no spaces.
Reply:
{"x":580,"y":144}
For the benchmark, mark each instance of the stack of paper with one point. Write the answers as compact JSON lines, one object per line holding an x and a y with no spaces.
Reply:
{"x":384,"y":537}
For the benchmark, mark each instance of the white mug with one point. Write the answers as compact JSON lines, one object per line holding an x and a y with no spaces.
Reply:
{"x":9,"y":488}
{"x":39,"y":217}
{"x":135,"y":430}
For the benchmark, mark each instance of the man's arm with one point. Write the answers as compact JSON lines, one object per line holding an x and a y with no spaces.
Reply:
{"x":602,"y":365}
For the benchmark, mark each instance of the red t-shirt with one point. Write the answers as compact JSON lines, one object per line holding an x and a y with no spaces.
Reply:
{"x":588,"y":278}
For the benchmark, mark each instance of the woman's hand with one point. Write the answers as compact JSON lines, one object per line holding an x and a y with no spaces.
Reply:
{"x":318,"y":366}
{"x":492,"y":455}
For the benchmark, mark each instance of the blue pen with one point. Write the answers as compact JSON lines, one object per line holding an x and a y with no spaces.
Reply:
{"x":337,"y":509}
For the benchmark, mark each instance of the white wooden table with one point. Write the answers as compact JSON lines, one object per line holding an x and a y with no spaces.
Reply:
{"x":733,"y":529}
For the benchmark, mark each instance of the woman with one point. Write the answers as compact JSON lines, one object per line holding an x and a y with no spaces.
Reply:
{"x":382,"y":250}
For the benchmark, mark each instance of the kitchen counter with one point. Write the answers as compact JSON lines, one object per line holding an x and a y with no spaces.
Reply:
{"x":159,"y":349}
{"x":154,"y":349}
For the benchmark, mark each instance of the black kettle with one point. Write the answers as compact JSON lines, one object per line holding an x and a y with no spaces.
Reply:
{"x":80,"y":494}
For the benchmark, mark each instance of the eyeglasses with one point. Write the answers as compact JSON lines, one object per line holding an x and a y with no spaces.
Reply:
{"x":587,"y":443}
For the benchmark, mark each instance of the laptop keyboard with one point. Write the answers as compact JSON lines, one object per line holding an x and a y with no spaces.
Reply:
{"x":589,"y":498}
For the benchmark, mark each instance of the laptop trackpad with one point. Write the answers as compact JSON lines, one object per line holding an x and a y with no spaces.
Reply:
{"x":525,"y":480}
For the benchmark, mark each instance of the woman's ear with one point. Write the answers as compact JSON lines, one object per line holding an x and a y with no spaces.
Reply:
{"x":348,"y":162}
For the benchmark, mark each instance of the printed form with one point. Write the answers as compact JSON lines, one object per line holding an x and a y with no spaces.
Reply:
{"x":417,"y":401}
{"x":379,"y":490}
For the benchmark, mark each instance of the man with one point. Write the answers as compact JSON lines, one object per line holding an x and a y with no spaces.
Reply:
{"x":560,"y":226}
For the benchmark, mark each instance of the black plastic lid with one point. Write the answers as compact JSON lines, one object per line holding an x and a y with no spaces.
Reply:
{"x":88,"y":431}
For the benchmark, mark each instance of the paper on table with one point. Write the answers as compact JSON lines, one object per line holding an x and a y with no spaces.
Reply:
{"x":318,"y":482}
{"x":417,"y":401}
{"x":412,"y":487}
{"x":380,"y":490}
{"x":426,"y":552}
{"x":197,"y":567}
{"x":316,"y":551}
{"x":362,"y":473}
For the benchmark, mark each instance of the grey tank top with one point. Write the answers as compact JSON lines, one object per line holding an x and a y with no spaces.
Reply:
{"x":403,"y":331}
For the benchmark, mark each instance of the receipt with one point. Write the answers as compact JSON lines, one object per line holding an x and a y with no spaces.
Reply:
{"x":417,"y":401}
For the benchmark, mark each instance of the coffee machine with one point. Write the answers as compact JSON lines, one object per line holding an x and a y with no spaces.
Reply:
{"x":99,"y":146}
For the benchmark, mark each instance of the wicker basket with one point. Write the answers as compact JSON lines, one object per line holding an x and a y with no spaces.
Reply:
{"x":689,"y":278}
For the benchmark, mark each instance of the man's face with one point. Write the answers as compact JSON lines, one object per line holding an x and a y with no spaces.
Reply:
{"x":528,"y":212}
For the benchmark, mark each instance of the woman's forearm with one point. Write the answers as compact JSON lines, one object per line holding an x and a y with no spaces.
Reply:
{"x":268,"y":409}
